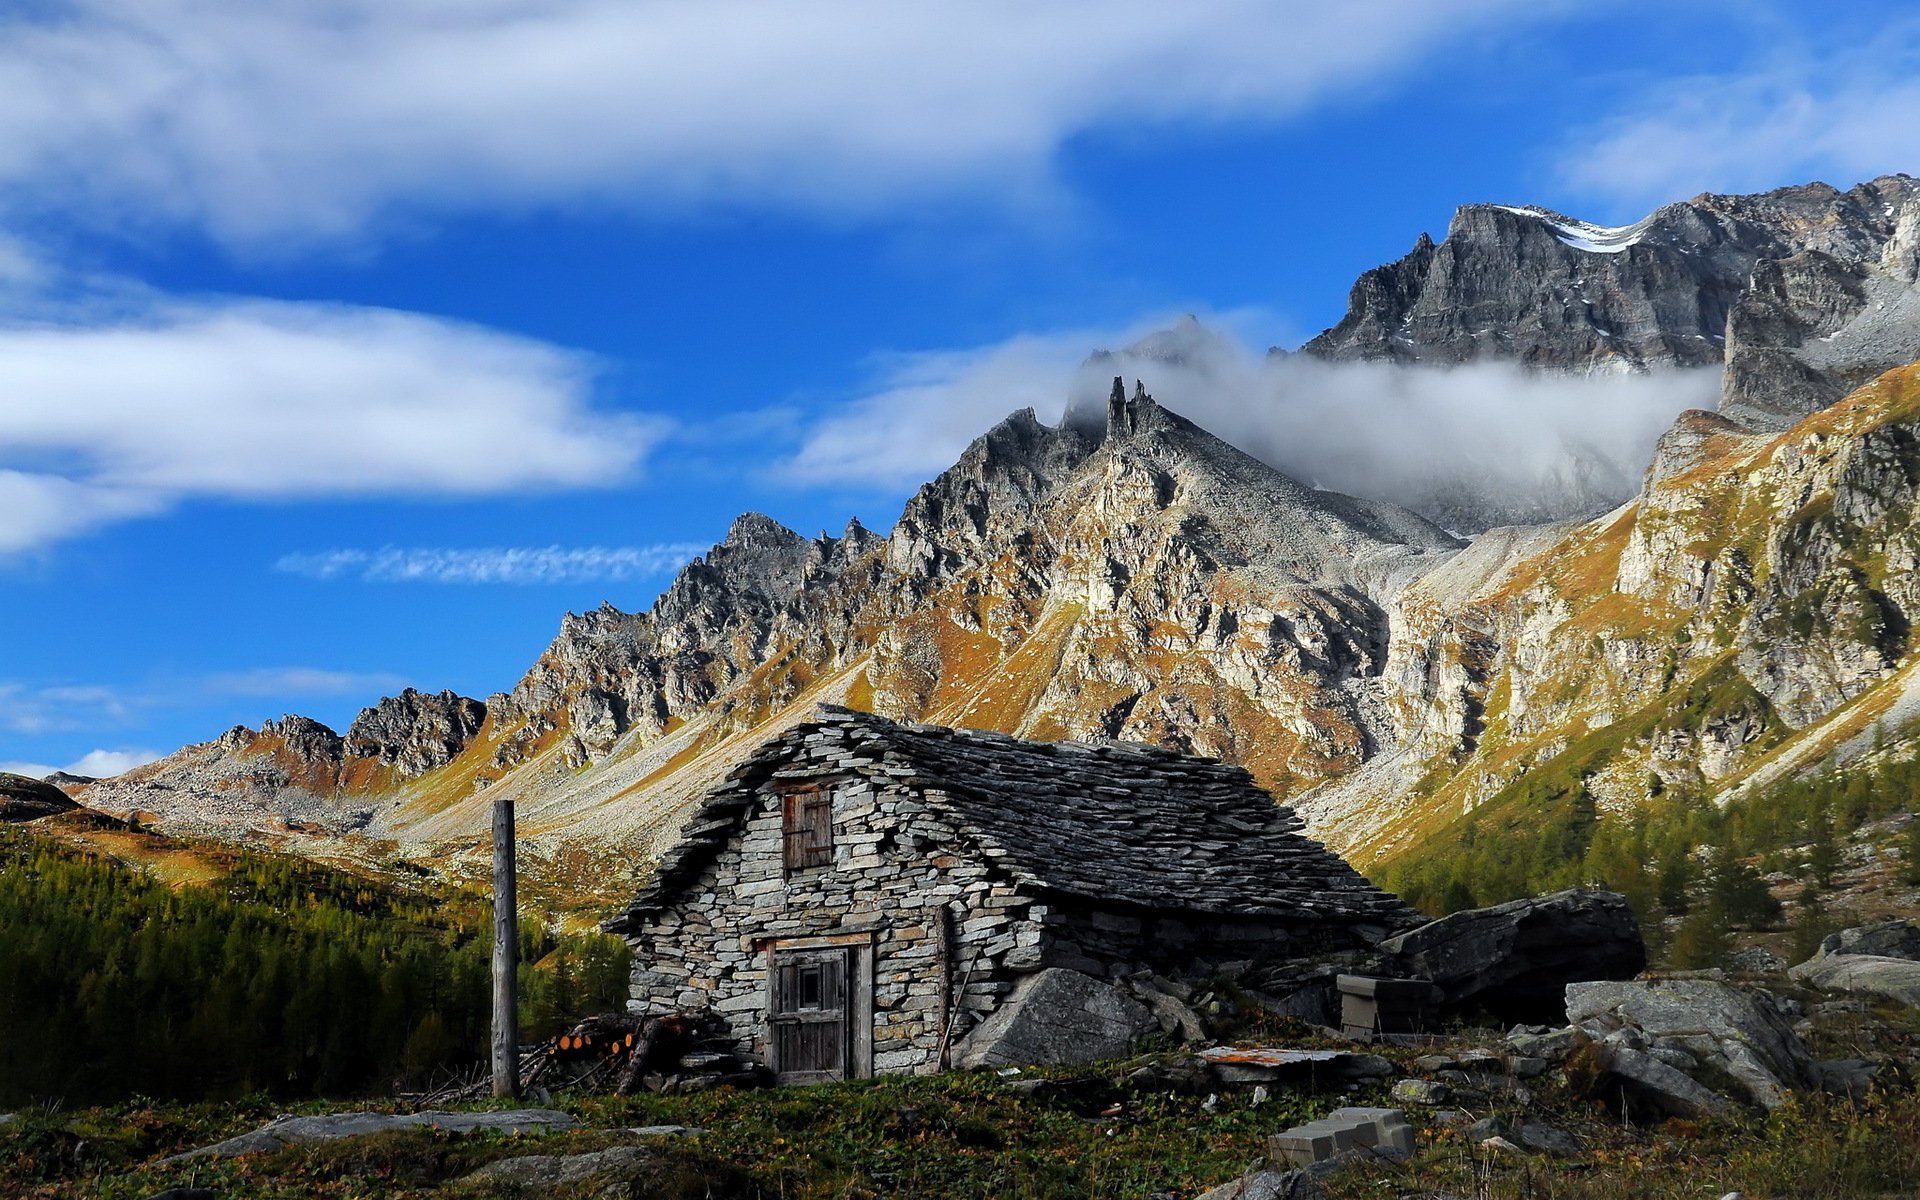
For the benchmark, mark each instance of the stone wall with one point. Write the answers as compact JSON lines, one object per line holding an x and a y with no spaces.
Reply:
{"x":895,"y":868}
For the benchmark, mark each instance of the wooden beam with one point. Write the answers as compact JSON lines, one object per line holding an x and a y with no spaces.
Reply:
{"x":506,"y":955}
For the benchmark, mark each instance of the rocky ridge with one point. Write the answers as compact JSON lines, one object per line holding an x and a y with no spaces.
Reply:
{"x":1804,"y":293}
{"x":1150,"y":583}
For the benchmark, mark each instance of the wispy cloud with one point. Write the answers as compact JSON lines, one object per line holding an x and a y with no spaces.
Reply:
{"x":1370,"y":429}
{"x":52,"y":708}
{"x":494,"y":564}
{"x":297,"y":681}
{"x":1841,"y":115}
{"x":268,"y":121}
{"x":40,"y":709}
{"x":128,"y":415}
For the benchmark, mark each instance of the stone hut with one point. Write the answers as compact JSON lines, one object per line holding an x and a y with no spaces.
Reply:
{"x":860,"y":893}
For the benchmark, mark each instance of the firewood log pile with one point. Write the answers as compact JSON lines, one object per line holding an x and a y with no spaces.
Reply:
{"x":621,"y":1053}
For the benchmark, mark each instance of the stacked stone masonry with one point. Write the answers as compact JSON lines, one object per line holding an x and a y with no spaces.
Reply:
{"x":963,"y":860}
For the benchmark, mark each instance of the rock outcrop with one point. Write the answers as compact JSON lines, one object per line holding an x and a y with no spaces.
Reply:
{"x":1888,"y":939}
{"x":1897,"y":979}
{"x":1516,"y":959}
{"x":1664,"y":1035}
{"x":24,"y":799}
{"x":413,"y":732}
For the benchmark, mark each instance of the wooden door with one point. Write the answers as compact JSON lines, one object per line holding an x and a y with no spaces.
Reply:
{"x":811,"y":1002}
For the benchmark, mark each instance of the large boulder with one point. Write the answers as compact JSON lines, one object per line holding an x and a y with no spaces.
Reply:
{"x":1876,"y":974}
{"x":1725,"y":1038}
{"x":1057,"y":1016}
{"x":1883,"y":939}
{"x":1515,"y":960}
{"x":24,"y":799}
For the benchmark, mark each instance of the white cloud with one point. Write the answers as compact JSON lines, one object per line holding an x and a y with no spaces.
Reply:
{"x":95,"y":764}
{"x":1404,"y":434}
{"x":103,"y":763}
{"x":1841,"y":116}
{"x":926,"y":407}
{"x":127,"y":416}
{"x":261,"y":121}
{"x":495,"y":564}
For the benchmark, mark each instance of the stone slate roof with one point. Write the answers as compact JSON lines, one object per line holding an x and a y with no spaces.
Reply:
{"x":1117,"y":824}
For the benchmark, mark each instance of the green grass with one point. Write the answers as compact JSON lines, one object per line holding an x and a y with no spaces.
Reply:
{"x":971,"y":1135}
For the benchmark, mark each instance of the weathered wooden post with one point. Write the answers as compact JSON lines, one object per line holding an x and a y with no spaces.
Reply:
{"x":506,"y":955}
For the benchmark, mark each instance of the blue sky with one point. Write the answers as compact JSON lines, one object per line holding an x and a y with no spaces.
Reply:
{"x":345,"y":345}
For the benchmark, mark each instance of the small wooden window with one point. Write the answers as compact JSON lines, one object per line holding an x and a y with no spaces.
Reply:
{"x":807,"y":822}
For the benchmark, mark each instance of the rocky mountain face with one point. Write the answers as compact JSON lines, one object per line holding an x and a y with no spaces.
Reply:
{"x":1127,"y":575}
{"x":1803,"y":293}
{"x":1143,"y":581}
{"x":1748,"y":616}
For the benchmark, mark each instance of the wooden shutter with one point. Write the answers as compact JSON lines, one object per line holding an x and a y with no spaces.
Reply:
{"x":810,"y":1009}
{"x":807,"y":823}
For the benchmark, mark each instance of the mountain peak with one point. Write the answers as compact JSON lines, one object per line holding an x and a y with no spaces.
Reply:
{"x":758,"y":531}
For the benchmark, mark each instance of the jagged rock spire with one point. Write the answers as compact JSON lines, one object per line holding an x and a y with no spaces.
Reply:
{"x":1123,"y":415}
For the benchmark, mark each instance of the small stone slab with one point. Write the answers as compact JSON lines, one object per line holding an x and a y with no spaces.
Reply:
{"x":559,"y":1170}
{"x":287,"y":1131}
{"x":1303,"y":1145}
{"x":1389,"y":1126}
{"x":1345,"y":1130}
{"x":1266,"y":1064}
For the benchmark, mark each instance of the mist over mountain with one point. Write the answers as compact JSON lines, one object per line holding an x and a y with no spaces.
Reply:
{"x":1469,"y":446}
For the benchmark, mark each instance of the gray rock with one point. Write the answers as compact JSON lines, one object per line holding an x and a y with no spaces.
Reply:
{"x":560,"y":1170}
{"x":1527,"y":1066}
{"x":1666,"y":1088}
{"x":7,"y":1119}
{"x":1170,"y":1010}
{"x":1057,"y":1016}
{"x":1487,"y":1127}
{"x":1737,"y":1032}
{"x":1516,"y":959}
{"x":1269,"y":1184}
{"x":1553,"y":1046}
{"x":1884,"y":939}
{"x":1548,"y":1139}
{"x":287,"y":1131}
{"x":1849,"y":1077}
{"x":1424,"y":1092}
{"x":1894,"y":978}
